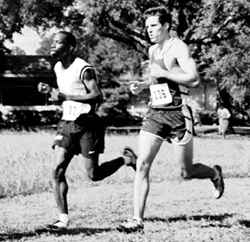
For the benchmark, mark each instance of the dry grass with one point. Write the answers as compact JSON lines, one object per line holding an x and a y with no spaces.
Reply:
{"x":27,"y":160}
{"x":177,"y":211}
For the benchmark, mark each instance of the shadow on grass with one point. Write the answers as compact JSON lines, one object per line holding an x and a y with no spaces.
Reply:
{"x":245,"y":223}
{"x":218,"y":218}
{"x":39,"y":231}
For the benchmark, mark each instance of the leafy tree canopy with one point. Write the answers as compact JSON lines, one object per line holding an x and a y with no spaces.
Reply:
{"x":111,"y":32}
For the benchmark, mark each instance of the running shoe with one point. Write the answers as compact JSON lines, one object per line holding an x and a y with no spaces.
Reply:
{"x":129,"y":157}
{"x":218,"y":182}
{"x":131,"y":225}
{"x":57,"y":226}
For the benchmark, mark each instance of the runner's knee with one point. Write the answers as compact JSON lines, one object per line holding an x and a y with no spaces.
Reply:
{"x":143,"y":167}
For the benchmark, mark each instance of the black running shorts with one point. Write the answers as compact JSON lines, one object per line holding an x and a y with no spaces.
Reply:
{"x":167,"y":124}
{"x":85,"y":135}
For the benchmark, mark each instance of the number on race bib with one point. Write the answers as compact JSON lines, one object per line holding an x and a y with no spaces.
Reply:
{"x":160,"y":94}
{"x":72,"y":110}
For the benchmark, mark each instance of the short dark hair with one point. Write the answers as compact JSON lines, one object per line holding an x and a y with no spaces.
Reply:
{"x":69,"y":37}
{"x":161,"y":11}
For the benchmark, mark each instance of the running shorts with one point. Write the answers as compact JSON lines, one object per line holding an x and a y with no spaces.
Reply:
{"x":84,"y":135}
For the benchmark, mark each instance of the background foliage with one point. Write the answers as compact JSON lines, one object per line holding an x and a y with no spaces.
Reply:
{"x":111,"y":35}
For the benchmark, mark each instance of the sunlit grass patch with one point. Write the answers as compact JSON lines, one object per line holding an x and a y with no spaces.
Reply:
{"x":27,"y":160}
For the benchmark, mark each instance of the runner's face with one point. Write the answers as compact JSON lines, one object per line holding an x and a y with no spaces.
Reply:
{"x":156,"y":31}
{"x":59,"y":47}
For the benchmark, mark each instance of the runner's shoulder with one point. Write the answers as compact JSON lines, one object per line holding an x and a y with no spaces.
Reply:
{"x":179,"y":44}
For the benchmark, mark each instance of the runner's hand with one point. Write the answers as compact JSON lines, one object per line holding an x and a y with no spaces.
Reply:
{"x":136,"y":87}
{"x":55,"y":95}
{"x":44,"y":88}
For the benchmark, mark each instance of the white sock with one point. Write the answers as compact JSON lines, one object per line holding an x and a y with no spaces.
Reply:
{"x":139,"y":220}
{"x":64,"y":218}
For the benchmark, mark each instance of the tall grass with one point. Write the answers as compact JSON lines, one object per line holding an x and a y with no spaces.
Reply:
{"x":27,"y":160}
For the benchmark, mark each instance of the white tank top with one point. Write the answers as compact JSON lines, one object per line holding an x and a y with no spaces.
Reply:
{"x":69,"y":82}
{"x":69,"y":79}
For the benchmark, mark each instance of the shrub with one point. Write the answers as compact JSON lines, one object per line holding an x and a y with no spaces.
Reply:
{"x":208,"y":117}
{"x":27,"y":118}
{"x":18,"y":118}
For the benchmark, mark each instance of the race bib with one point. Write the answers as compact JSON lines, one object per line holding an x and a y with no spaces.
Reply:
{"x":160,"y":94}
{"x":72,"y":110}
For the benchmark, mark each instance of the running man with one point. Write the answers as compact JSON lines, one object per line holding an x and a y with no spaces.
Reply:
{"x":167,"y":119}
{"x":81,"y":130}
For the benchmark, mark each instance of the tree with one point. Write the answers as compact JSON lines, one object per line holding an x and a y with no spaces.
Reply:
{"x":45,"y":45}
{"x":9,"y":23}
{"x":224,"y":57}
{"x":217,"y":32}
{"x":17,"y":51}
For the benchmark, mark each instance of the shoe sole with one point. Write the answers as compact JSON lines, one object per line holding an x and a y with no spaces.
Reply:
{"x":134,"y":230}
{"x":130,"y":151}
{"x":53,"y":228}
{"x":219,"y":171}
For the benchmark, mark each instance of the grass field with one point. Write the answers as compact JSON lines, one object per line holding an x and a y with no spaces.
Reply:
{"x":176,"y":211}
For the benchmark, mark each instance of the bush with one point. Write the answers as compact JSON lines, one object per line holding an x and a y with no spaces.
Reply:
{"x":208,"y":117}
{"x":18,"y":118}
{"x":113,"y":116}
{"x":27,"y":118}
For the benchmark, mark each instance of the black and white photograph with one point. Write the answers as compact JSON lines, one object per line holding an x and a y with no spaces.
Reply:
{"x":125,"y":120}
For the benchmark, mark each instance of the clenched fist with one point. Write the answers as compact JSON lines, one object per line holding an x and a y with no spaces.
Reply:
{"x":44,"y":88}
